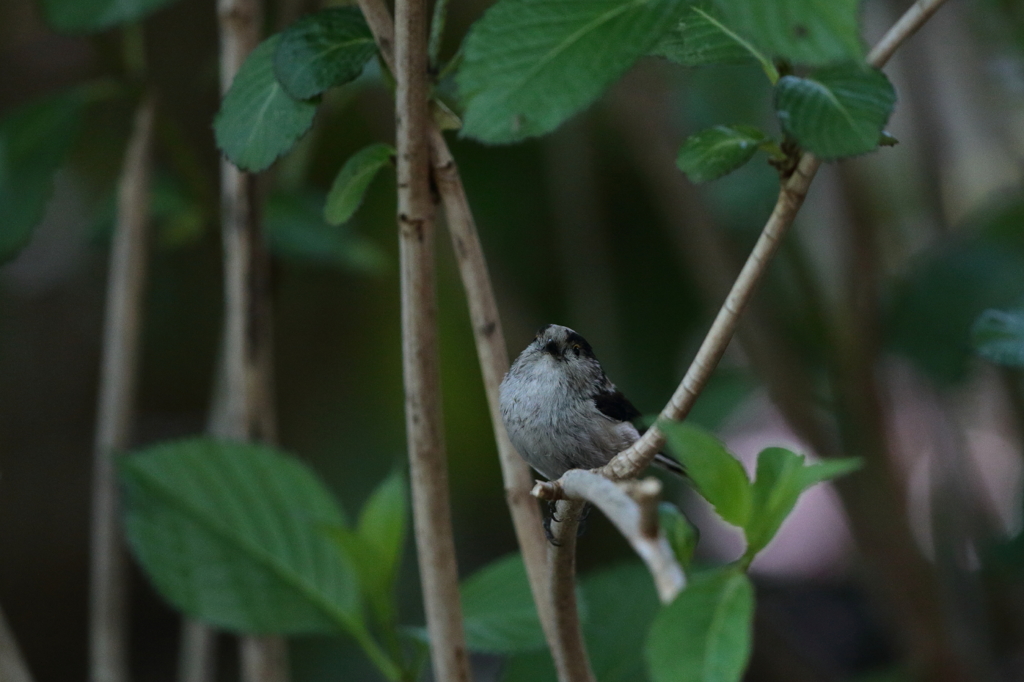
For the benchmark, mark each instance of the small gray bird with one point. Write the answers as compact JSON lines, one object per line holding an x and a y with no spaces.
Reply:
{"x":561,"y":411}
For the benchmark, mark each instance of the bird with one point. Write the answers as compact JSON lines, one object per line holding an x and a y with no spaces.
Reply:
{"x":562,"y":412}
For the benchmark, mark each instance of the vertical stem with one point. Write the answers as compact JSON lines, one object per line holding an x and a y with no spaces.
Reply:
{"x":570,"y":651}
{"x":12,"y":663}
{"x":247,"y":411}
{"x":429,"y":477}
{"x":122,"y":323}
{"x":197,"y":660}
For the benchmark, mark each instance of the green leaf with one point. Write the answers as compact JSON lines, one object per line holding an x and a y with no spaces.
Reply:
{"x":382,"y":527}
{"x":498,"y":610}
{"x":258,"y":121}
{"x":718,"y":476}
{"x":682,"y":536}
{"x":531,"y":64}
{"x":295,"y":228}
{"x":232,"y":534}
{"x":705,"y":634}
{"x":89,"y":16}
{"x":781,"y":478}
{"x":34,"y":140}
{"x":352,"y":180}
{"x":998,"y":336}
{"x":717,"y":151}
{"x":322,"y":50}
{"x":839,"y":111}
{"x":811,"y":32}
{"x":701,"y":39}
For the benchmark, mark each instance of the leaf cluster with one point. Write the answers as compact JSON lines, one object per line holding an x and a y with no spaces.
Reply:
{"x":837,"y":106}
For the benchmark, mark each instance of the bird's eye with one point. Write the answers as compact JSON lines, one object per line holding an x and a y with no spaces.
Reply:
{"x":576,"y":348}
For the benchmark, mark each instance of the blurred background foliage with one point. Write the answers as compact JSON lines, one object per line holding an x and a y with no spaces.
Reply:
{"x":864,"y":325}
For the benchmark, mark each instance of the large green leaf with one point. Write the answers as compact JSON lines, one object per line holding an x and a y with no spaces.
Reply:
{"x":234,"y":534}
{"x":717,"y":151}
{"x":705,"y":634}
{"x":530,"y":64}
{"x":34,"y":140}
{"x":838,"y":111}
{"x":781,"y":477}
{"x":701,"y":39}
{"x":812,"y":32}
{"x":355,"y":176}
{"x":258,"y":121}
{"x":322,"y":50}
{"x":295,"y":229}
{"x":998,"y":336}
{"x":88,"y":16}
{"x":498,"y":609}
{"x":718,"y":476}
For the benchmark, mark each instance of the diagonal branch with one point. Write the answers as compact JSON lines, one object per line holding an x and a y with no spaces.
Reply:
{"x":493,"y":355}
{"x":632,"y":461}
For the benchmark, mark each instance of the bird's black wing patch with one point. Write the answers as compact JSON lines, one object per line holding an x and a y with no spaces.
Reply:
{"x":614,"y":405}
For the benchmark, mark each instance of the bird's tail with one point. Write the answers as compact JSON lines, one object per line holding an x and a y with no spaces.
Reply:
{"x":670,"y":464}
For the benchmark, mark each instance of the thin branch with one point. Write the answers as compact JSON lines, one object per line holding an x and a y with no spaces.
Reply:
{"x":630,"y":462}
{"x":247,"y":409}
{"x":493,"y":356}
{"x":633,"y":507}
{"x":435,"y":543}
{"x":122,"y":326}
{"x":197,"y":661}
{"x":12,"y":663}
{"x":905,"y":26}
{"x":568,"y":649}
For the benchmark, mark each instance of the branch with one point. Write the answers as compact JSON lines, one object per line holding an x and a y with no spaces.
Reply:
{"x":905,"y":26}
{"x":12,"y":663}
{"x":633,"y":507}
{"x":247,"y":412}
{"x":423,"y":419}
{"x":493,"y":356}
{"x":490,"y":344}
{"x":197,"y":661}
{"x":630,"y":462}
{"x":568,"y":649}
{"x":121,"y":332}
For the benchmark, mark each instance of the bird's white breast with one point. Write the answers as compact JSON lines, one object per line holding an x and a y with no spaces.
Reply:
{"x":556,"y":426}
